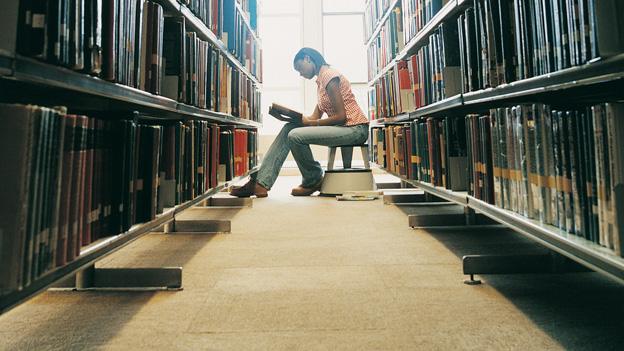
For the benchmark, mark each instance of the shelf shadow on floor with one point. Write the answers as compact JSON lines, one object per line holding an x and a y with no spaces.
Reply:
{"x":581,"y":311}
{"x":50,"y":320}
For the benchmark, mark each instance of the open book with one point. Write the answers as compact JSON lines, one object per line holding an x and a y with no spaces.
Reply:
{"x":285,"y":114}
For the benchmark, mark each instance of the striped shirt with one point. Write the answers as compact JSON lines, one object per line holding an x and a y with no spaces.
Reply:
{"x":354,"y":113}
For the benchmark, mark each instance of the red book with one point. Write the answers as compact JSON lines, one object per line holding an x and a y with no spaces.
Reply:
{"x":245,"y":150}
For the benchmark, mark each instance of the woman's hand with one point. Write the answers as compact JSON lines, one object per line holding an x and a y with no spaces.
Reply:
{"x":309,"y":122}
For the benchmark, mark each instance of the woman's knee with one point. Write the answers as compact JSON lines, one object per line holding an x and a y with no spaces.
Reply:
{"x":294,"y":136}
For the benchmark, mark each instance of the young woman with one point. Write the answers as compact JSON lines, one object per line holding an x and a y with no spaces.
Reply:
{"x":345,"y":124}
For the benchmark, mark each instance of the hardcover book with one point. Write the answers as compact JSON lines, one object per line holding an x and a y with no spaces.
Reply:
{"x":285,"y":114}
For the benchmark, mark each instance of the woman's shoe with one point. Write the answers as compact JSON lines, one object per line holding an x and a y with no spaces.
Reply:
{"x":301,"y":191}
{"x":249,"y":189}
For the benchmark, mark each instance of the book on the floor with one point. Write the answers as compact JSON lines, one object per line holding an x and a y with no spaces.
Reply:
{"x":285,"y":114}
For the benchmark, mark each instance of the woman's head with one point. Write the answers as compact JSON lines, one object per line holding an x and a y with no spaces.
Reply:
{"x":308,"y":62}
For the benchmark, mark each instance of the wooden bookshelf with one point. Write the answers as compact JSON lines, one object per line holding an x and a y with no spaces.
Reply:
{"x":101,"y":248}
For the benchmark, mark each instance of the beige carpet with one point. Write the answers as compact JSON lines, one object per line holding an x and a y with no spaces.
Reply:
{"x":318,"y":274}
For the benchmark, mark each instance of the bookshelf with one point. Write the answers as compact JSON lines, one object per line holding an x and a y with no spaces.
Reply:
{"x":205,"y":33}
{"x":28,"y":80}
{"x":587,"y":253}
{"x":377,"y":26}
{"x":99,"y":249}
{"x":595,"y":81}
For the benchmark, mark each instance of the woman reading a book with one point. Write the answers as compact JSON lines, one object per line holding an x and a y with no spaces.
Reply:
{"x":345,"y":124}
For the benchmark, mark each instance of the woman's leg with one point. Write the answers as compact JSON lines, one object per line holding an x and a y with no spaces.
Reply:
{"x":300,"y":139}
{"x":274,"y":158}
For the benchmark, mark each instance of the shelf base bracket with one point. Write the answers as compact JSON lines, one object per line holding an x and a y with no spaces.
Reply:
{"x":124,"y":279}
{"x":436,"y":220}
{"x":230,"y":202}
{"x":401,"y":198}
{"x":203,"y":226}
{"x":389,"y":185}
{"x":547,"y":262}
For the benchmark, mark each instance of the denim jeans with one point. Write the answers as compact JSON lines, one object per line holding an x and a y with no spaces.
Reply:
{"x":297,"y":139}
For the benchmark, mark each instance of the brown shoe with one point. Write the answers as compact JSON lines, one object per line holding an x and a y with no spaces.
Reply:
{"x":301,"y":191}
{"x":249,"y":189}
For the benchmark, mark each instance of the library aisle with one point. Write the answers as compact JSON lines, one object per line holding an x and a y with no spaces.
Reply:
{"x":315,"y":273}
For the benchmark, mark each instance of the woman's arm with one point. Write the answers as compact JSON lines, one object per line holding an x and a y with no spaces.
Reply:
{"x":333,"y":90}
{"x":316,"y":114}
{"x":312,"y":119}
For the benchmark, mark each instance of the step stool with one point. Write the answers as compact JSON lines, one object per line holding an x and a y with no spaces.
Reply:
{"x":339,"y":181}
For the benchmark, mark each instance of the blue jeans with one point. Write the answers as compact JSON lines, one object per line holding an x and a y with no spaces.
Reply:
{"x":297,"y":139}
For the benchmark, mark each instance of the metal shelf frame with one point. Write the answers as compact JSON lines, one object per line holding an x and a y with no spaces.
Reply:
{"x":28,"y":70}
{"x":104,"y":247}
{"x":583,"y":251}
{"x":599,"y":71}
{"x":436,"y":108}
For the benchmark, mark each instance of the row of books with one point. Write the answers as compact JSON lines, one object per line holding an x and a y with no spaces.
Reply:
{"x":387,"y":44}
{"x":119,"y":40}
{"x":239,"y":39}
{"x":250,"y":8}
{"x":374,"y":10}
{"x":492,"y":42}
{"x":124,"y":41}
{"x":198,"y":74}
{"x":407,"y":18}
{"x":561,"y":167}
{"x":430,"y":75}
{"x":224,"y":19}
{"x":417,"y":13}
{"x":75,"y":179}
{"x":210,"y":12}
{"x":503,"y":41}
{"x":429,"y":149}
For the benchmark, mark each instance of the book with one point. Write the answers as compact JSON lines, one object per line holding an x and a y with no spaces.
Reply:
{"x":285,"y":114}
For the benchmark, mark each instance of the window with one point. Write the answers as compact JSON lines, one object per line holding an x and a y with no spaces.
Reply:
{"x":281,"y":7}
{"x":343,"y":44}
{"x":343,"y":5}
{"x":281,"y":34}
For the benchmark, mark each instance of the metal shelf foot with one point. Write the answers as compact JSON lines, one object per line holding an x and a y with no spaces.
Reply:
{"x":472,"y":281}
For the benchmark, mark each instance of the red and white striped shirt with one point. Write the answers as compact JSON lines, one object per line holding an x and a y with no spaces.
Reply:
{"x":354,"y":113}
